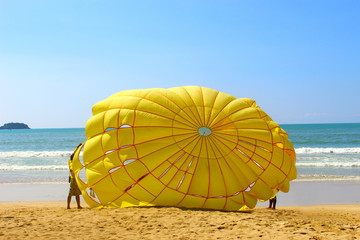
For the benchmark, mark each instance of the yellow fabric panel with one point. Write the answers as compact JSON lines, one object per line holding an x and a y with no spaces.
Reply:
{"x":125,"y":201}
{"x":231,"y":180}
{"x":232,"y":205}
{"x":226,"y":140}
{"x":111,"y":118}
{"x":217,"y":186}
{"x":292,"y":174}
{"x":185,"y":184}
{"x":278,"y":156}
{"x":169,"y":197}
{"x":176,"y":180}
{"x":90,"y":202}
{"x":262,"y":135}
{"x":136,"y":169}
{"x":112,"y":160}
{"x":245,"y":173}
{"x":192,"y":165}
{"x":146,"y":134}
{"x":217,"y":203}
{"x":200,"y":181}
{"x":126,"y":117}
{"x":181,"y":160}
{"x":221,"y":101}
{"x":122,"y":179}
{"x":272,"y":176}
{"x":109,"y":141}
{"x":192,"y":201}
{"x":140,"y":193}
{"x":94,"y":125}
{"x":185,"y":146}
{"x":146,"y":148}
{"x":214,"y":150}
{"x":188,"y":100}
{"x":152,"y":160}
{"x":235,"y":202}
{"x":93,"y":149}
{"x":125,"y":137}
{"x":284,"y":186}
{"x":126,"y":153}
{"x":160,"y":169}
{"x":209,"y":98}
{"x":148,"y":183}
{"x":168,"y":174}
{"x":106,"y":190}
{"x":250,"y":201}
{"x":95,"y":172}
{"x":100,"y":107}
{"x":261,"y":190}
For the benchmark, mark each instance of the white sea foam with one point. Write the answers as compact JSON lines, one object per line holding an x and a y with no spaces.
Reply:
{"x":300,"y":151}
{"x":327,"y":150}
{"x":329,"y":164}
{"x":318,"y":177}
{"x":23,"y":168}
{"x":32,"y":154}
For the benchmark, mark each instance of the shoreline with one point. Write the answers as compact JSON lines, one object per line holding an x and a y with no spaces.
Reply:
{"x":302,"y":193}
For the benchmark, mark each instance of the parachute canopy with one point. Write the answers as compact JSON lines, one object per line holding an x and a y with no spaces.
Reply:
{"x":190,"y":147}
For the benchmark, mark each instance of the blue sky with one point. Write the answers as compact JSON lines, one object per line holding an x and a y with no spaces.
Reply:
{"x":298,"y":59}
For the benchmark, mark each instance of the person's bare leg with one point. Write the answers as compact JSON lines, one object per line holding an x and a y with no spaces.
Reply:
{"x":274,"y":204}
{"x":68,"y":202}
{"x":271,"y":202}
{"x":78,"y":202}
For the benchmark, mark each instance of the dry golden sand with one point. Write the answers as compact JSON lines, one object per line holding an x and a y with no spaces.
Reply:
{"x":50,"y":220}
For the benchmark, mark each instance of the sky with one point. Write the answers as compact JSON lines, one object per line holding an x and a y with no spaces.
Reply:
{"x":300,"y":60}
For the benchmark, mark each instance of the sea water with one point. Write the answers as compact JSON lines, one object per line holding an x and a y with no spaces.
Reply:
{"x":37,"y":155}
{"x":325,"y":152}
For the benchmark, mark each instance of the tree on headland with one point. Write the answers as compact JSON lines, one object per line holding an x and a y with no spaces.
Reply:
{"x":15,"y":126}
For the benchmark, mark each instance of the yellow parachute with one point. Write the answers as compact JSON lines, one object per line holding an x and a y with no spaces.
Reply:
{"x":190,"y":147}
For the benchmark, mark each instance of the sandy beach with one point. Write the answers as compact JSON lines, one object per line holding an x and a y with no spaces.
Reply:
{"x":311,"y":210}
{"x":50,"y":220}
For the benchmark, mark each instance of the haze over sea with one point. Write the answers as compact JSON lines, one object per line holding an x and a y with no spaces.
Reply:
{"x":325,"y":152}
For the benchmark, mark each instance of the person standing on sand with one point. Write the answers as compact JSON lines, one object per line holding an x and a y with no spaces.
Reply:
{"x":74,"y":189}
{"x":272,"y":202}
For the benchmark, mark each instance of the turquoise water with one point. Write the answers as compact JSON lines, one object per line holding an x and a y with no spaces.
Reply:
{"x":37,"y":155}
{"x":324,"y":152}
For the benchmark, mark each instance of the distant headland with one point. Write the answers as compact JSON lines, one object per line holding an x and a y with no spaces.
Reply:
{"x":14,"y":126}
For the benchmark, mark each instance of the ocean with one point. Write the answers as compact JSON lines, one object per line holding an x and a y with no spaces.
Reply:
{"x":325,"y":152}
